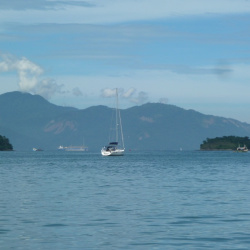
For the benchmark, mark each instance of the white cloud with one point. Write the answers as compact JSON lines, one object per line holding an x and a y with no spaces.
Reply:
{"x":4,"y":67}
{"x":127,"y":94}
{"x":29,"y":76}
{"x":142,"y":97}
{"x":107,"y":93}
{"x":177,"y":88}
{"x":131,"y":95}
{"x":28,"y":71}
{"x":207,"y":93}
{"x":47,"y":88}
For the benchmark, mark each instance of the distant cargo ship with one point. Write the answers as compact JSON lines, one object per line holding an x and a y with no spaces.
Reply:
{"x":73,"y":148}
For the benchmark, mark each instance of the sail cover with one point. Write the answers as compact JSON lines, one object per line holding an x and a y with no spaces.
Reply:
{"x":113,"y":143}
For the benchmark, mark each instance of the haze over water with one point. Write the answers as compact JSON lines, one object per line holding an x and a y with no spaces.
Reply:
{"x":143,"y":200}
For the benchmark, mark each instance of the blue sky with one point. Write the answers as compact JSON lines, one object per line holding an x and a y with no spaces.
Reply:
{"x":194,"y":53}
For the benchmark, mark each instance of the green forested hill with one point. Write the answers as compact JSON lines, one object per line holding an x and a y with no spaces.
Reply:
{"x":4,"y":144}
{"x":225,"y":143}
{"x":31,"y":121}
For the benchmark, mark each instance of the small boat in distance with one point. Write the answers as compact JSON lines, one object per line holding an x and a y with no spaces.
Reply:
{"x":116,"y":137}
{"x":242,"y":149}
{"x":37,"y":149}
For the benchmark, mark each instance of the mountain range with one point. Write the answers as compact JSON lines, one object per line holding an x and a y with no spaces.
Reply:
{"x":31,"y":121}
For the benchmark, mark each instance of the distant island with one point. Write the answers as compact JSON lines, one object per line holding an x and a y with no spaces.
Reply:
{"x":5,"y":144}
{"x":225,"y":143}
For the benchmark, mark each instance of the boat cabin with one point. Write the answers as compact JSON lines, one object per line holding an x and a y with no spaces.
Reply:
{"x":112,"y":146}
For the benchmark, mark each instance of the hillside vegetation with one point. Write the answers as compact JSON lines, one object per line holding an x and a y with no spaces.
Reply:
{"x":31,"y":121}
{"x":225,"y":143}
{"x":5,"y":144}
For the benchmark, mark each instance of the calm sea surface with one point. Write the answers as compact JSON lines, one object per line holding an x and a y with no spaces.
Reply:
{"x":143,"y":200}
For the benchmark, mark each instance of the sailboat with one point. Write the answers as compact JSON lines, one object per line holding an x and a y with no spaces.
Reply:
{"x":116,"y":146}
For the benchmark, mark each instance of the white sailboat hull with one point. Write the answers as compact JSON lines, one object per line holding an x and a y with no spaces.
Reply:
{"x":116,"y":152}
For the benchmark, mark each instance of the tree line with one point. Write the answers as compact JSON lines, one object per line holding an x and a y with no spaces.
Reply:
{"x":5,"y":145}
{"x":225,"y":143}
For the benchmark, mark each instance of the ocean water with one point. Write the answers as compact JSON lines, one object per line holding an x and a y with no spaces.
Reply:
{"x":142,"y":200}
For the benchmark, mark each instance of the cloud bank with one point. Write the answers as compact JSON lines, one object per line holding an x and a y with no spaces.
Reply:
{"x":41,"y":4}
{"x":29,"y":76}
{"x":131,"y":94}
{"x":113,"y":11}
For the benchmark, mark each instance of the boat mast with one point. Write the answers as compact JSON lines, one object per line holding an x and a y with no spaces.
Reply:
{"x":118,"y":120}
{"x":121,"y":129}
{"x":116,"y":116}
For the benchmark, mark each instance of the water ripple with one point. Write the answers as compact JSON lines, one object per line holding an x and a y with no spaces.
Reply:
{"x":162,"y":200}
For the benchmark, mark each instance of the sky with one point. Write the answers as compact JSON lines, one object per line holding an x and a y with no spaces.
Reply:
{"x":194,"y":54}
